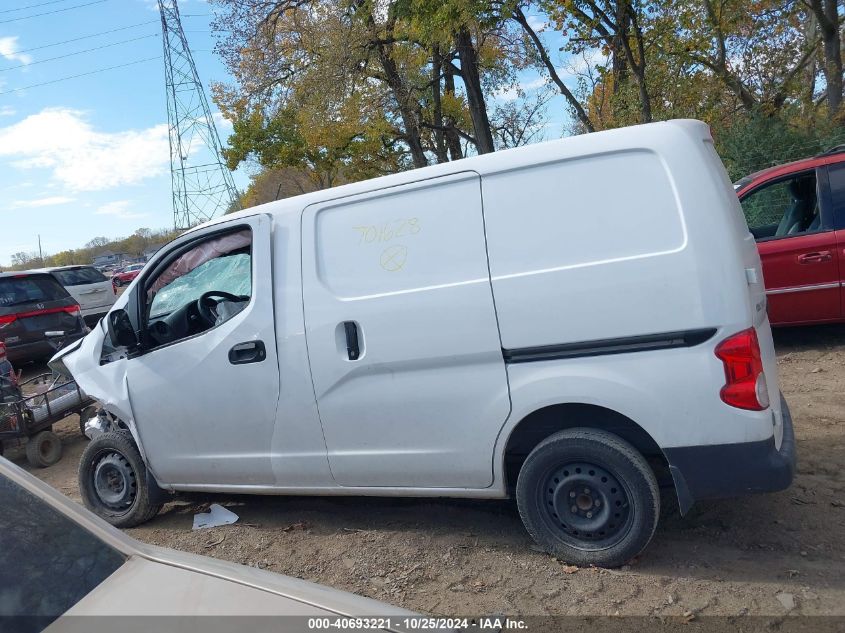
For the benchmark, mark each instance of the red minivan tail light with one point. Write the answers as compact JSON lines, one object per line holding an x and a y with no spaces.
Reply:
{"x":745,"y":381}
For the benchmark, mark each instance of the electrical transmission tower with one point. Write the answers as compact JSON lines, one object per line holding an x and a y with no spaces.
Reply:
{"x":202,"y":184}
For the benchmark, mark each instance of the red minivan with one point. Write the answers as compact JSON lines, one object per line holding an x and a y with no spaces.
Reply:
{"x":796,"y":212}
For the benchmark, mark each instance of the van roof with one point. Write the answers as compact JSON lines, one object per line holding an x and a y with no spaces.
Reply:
{"x":639,"y":136}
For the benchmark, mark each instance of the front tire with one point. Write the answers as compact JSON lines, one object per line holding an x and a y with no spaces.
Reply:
{"x":113,"y":480}
{"x":588,"y":497}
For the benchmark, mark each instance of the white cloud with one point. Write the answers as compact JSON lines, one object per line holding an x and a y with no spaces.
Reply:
{"x":538,"y":24}
{"x":581,"y":63}
{"x":7,"y":111}
{"x":515,"y":92}
{"x":8,"y":50}
{"x":41,"y":202}
{"x":222,"y":124}
{"x":80,"y":157}
{"x":119,"y":209}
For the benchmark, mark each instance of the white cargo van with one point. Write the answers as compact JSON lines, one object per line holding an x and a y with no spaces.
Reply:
{"x":572,"y":323}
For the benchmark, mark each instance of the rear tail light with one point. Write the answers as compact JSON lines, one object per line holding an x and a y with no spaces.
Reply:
{"x":11,"y":318}
{"x":745,"y":381}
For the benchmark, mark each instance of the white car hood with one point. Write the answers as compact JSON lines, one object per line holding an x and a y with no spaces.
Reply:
{"x":143,"y":587}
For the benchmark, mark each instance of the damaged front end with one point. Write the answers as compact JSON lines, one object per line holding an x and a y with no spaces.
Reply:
{"x":100,"y":371}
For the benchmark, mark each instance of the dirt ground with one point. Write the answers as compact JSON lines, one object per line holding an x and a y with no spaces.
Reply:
{"x":772,"y":555}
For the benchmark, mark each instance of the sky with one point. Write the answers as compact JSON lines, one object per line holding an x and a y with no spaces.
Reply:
{"x":89,"y":156}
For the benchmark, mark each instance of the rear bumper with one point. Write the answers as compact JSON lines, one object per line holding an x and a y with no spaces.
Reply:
{"x":722,"y":471}
{"x":45,"y":348}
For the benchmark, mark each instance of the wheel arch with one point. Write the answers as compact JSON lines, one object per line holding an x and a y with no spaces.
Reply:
{"x":536,"y":426}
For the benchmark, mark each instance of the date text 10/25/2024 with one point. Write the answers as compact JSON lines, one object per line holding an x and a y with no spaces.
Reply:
{"x":420,"y":623}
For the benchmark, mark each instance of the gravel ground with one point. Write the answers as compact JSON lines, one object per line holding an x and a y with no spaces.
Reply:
{"x":772,"y":555}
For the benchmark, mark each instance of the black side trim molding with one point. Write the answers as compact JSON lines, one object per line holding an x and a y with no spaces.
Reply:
{"x":623,"y":345}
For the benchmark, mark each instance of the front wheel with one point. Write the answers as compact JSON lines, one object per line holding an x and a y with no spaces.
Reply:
{"x":588,"y":497}
{"x":113,"y":480}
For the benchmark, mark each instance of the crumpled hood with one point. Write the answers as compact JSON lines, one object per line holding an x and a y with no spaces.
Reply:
{"x":105,"y":383}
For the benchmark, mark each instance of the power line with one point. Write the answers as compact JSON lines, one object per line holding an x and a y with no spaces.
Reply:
{"x":32,"y":6}
{"x":86,"y":37}
{"x":38,"y":15}
{"x":87,"y":50}
{"x":93,"y":72}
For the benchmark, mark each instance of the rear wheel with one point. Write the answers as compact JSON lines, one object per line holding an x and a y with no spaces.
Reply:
{"x":43,"y":449}
{"x":588,"y":497}
{"x":113,"y":480}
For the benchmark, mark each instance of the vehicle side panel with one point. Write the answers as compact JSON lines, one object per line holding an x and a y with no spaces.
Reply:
{"x":802,"y":278}
{"x":407,"y":267}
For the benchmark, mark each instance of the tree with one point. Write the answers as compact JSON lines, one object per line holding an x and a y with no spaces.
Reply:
{"x":277,"y":184}
{"x":618,"y":26}
{"x":361,"y":88}
{"x":757,"y":50}
{"x":97,"y":242}
{"x":479,"y":43}
{"x":826,"y":13}
{"x":23,"y":259}
{"x":329,"y":91}
{"x":341,"y":81}
{"x":547,"y":63}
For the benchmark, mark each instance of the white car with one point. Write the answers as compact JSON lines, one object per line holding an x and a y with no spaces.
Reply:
{"x":60,"y":562}
{"x":573,"y":323}
{"x":93,"y":291}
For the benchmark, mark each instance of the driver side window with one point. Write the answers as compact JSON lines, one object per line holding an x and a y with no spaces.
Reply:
{"x":784,"y":208}
{"x":201,"y":288}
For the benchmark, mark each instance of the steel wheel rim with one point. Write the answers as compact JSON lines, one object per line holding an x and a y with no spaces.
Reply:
{"x":586,"y":505}
{"x":114,"y":481}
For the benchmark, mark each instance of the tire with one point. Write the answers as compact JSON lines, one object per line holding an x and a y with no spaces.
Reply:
{"x":588,"y":497}
{"x":43,"y":449}
{"x":86,"y":414}
{"x":113,"y":480}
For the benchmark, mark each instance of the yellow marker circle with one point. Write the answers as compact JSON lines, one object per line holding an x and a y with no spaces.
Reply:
{"x":393,"y":258}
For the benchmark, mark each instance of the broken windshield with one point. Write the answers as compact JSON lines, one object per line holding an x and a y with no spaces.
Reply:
{"x":221,"y":264}
{"x":230,"y":273}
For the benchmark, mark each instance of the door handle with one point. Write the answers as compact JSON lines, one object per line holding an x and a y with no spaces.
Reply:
{"x":247,"y":352}
{"x":353,"y":351}
{"x":814,"y":258}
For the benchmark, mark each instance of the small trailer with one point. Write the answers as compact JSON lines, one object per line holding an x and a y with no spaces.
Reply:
{"x":28,"y":410}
